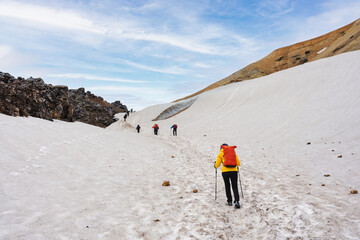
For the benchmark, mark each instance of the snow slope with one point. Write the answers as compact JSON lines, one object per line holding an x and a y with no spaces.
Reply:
{"x":73,"y":181}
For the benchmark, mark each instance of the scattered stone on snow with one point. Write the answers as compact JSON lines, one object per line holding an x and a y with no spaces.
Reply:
{"x":327,"y":175}
{"x":157,"y":220}
{"x":353,"y":191}
{"x":172,"y":156}
{"x":308,"y":143}
{"x":166,"y":183}
{"x":340,"y":156}
{"x":297,"y":175}
{"x":333,"y":150}
{"x":323,"y":185}
{"x":195,"y":191}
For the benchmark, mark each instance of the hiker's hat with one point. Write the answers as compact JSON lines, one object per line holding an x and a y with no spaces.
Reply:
{"x":224,"y":144}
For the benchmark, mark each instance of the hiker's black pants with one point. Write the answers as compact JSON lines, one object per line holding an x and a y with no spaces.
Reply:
{"x":174,"y":132}
{"x":231,"y":176}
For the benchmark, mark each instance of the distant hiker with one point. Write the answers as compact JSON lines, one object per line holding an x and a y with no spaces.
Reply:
{"x":125,"y":116}
{"x":174,"y":127}
{"x":131,"y":110}
{"x":128,"y":113}
{"x":156,"y":129}
{"x":138,"y":128}
{"x":230,"y":161}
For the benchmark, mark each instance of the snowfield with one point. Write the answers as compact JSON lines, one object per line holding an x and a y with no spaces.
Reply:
{"x":74,"y":181}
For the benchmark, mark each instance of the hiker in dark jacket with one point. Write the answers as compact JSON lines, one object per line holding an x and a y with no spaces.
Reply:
{"x":174,"y":127}
{"x":125,"y":116}
{"x":138,"y":128}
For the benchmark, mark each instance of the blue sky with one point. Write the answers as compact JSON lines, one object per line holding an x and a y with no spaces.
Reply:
{"x":148,"y":52}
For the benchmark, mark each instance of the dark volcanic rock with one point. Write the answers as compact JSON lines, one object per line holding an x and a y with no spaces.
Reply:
{"x":33,"y":97}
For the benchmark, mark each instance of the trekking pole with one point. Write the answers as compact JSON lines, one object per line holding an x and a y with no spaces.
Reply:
{"x":215,"y":183}
{"x":242,"y":194}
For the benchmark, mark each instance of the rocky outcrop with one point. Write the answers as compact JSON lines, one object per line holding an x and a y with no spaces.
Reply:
{"x":342,"y":40}
{"x":33,"y":97}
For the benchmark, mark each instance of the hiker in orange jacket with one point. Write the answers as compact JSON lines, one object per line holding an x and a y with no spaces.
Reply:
{"x":156,"y":129}
{"x":230,"y":161}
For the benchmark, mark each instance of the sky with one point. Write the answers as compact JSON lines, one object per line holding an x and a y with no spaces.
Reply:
{"x":149,"y":52}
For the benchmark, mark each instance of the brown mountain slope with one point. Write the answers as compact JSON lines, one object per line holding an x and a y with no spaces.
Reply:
{"x":342,"y":40}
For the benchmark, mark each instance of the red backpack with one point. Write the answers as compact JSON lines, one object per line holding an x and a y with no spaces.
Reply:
{"x":229,"y":156}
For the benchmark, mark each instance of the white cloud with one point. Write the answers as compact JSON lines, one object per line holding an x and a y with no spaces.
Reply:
{"x":48,"y":16}
{"x":201,"y":65}
{"x":92,"y":78}
{"x":10,"y":60}
{"x":171,"y":70}
{"x":188,"y":43}
{"x":275,"y":8}
{"x":145,"y":95}
{"x":5,"y":51}
{"x":200,"y":38}
{"x":334,"y":14}
{"x":128,"y":89}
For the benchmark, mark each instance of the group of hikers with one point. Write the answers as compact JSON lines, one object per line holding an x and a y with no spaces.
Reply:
{"x":227,"y":158}
{"x":156,"y":129}
{"x":127,"y":114}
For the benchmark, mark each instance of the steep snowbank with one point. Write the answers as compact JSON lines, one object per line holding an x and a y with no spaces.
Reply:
{"x":306,"y":103}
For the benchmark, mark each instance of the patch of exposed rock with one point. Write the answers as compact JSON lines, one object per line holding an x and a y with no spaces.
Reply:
{"x":342,"y":40}
{"x":33,"y":97}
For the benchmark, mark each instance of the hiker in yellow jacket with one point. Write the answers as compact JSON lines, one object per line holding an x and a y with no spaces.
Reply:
{"x":230,"y":161}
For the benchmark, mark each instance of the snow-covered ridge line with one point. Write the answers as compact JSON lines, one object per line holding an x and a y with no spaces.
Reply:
{"x":175,"y":109}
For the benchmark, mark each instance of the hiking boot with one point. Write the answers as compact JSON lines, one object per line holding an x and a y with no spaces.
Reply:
{"x":237,"y":204}
{"x":229,"y":203}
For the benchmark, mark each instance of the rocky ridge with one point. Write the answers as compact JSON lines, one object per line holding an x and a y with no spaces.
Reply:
{"x":33,"y":97}
{"x":342,"y":40}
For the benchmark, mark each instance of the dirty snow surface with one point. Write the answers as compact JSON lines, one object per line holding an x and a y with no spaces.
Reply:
{"x":74,"y":181}
{"x":175,"y":108}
